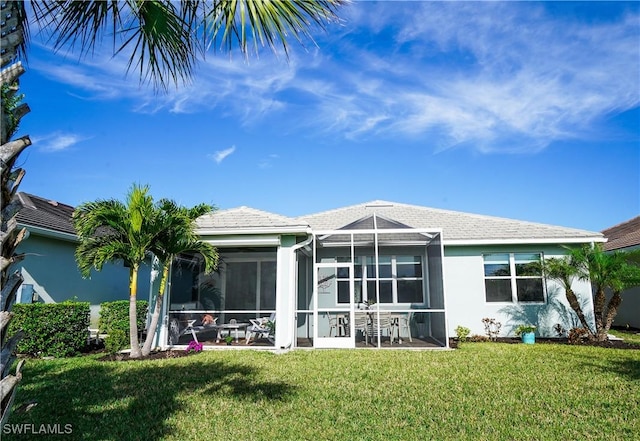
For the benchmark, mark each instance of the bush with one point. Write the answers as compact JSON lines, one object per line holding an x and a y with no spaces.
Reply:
{"x":115,"y":316}
{"x":51,"y":329}
{"x":116,"y":341}
{"x":462,"y":333}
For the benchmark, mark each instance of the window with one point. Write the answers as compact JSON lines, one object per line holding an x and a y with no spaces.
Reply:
{"x":397,"y":279}
{"x":513,"y":277}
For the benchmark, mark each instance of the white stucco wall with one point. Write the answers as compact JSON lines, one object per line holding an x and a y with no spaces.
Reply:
{"x":465,"y":295}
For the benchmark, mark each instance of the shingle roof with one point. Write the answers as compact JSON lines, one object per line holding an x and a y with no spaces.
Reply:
{"x":624,"y":235}
{"x":456,"y":226}
{"x":244,"y":218}
{"x":45,"y":213}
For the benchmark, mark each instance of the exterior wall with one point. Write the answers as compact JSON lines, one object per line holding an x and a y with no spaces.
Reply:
{"x":629,"y":310}
{"x":465,"y":295}
{"x":51,"y":269}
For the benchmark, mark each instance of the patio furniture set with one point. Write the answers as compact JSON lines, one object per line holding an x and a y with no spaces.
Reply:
{"x":254,"y":330}
{"x":371,"y":323}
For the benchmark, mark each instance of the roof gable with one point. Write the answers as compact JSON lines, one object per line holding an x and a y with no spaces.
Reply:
{"x":456,"y":226}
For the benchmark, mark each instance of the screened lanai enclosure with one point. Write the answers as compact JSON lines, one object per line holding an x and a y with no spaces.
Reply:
{"x":375,"y":283}
{"x":227,"y":304}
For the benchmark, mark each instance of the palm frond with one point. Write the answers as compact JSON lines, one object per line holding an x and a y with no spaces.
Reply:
{"x":159,"y":40}
{"x":266,"y":22}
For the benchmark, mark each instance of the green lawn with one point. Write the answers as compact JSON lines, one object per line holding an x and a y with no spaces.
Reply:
{"x":628,"y":336}
{"x":483,"y":391}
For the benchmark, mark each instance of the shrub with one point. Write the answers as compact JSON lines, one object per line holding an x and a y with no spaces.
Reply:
{"x":51,"y":329}
{"x":462,"y":333}
{"x":116,"y":341}
{"x":115,"y":316}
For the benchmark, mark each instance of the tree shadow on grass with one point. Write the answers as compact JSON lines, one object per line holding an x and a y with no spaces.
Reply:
{"x":133,"y":400}
{"x":625,"y":366}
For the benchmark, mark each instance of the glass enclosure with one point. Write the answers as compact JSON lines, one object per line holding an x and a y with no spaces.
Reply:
{"x":233,"y":305}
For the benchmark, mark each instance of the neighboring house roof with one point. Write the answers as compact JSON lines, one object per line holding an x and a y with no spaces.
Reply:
{"x":45,"y":214}
{"x":456,"y":226}
{"x":624,"y":235}
{"x":243,"y":219}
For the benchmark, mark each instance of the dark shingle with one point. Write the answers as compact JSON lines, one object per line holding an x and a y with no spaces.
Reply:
{"x":45,"y":213}
{"x":624,"y":235}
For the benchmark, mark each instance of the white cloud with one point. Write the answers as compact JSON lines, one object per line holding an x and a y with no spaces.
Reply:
{"x":220,"y":155}
{"x":56,"y":142}
{"x":496,"y":76}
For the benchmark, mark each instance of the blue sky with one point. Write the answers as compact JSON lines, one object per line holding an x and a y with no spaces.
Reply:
{"x":523,"y":110}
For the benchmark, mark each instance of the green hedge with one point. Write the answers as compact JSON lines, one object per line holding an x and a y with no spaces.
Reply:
{"x":51,"y":329}
{"x":115,"y":315}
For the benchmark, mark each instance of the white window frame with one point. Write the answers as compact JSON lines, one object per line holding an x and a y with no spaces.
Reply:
{"x":393,"y":279}
{"x":513,"y":279}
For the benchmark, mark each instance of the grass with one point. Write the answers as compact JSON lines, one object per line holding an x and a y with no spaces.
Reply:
{"x":483,"y":391}
{"x":628,"y":336}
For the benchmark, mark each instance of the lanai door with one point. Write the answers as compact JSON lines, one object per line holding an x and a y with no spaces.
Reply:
{"x":333,"y":305}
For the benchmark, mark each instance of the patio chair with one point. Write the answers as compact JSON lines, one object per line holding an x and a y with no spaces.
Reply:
{"x":259,"y":328}
{"x":361,"y":323}
{"x":337,"y":322}
{"x":402,"y":322}
{"x":385,"y":323}
{"x":178,"y":328}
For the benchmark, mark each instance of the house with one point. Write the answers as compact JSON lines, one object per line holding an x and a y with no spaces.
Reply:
{"x":49,"y":269}
{"x":378,"y":274}
{"x":626,"y":237}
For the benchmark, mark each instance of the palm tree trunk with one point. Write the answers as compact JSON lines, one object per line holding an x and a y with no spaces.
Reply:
{"x":598,"y":311}
{"x":575,"y":305}
{"x":10,"y":178}
{"x":146,"y":348}
{"x":133,"y":313}
{"x":612,"y":310}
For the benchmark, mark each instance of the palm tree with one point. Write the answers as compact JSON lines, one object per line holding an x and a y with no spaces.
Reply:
{"x":615,"y":271}
{"x":112,"y":231}
{"x":177,"y":236}
{"x":565,"y":271}
{"x":164,"y":40}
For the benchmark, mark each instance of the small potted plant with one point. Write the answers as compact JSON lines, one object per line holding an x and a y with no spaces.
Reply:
{"x":527,"y":333}
{"x":228,"y":339}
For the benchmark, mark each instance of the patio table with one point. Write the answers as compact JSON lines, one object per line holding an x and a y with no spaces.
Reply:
{"x":235,"y":327}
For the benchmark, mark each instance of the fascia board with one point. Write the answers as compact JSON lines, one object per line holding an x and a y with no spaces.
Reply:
{"x":555,"y":240}
{"x":243,"y":240}
{"x":46,"y":232}
{"x":253,"y":230}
